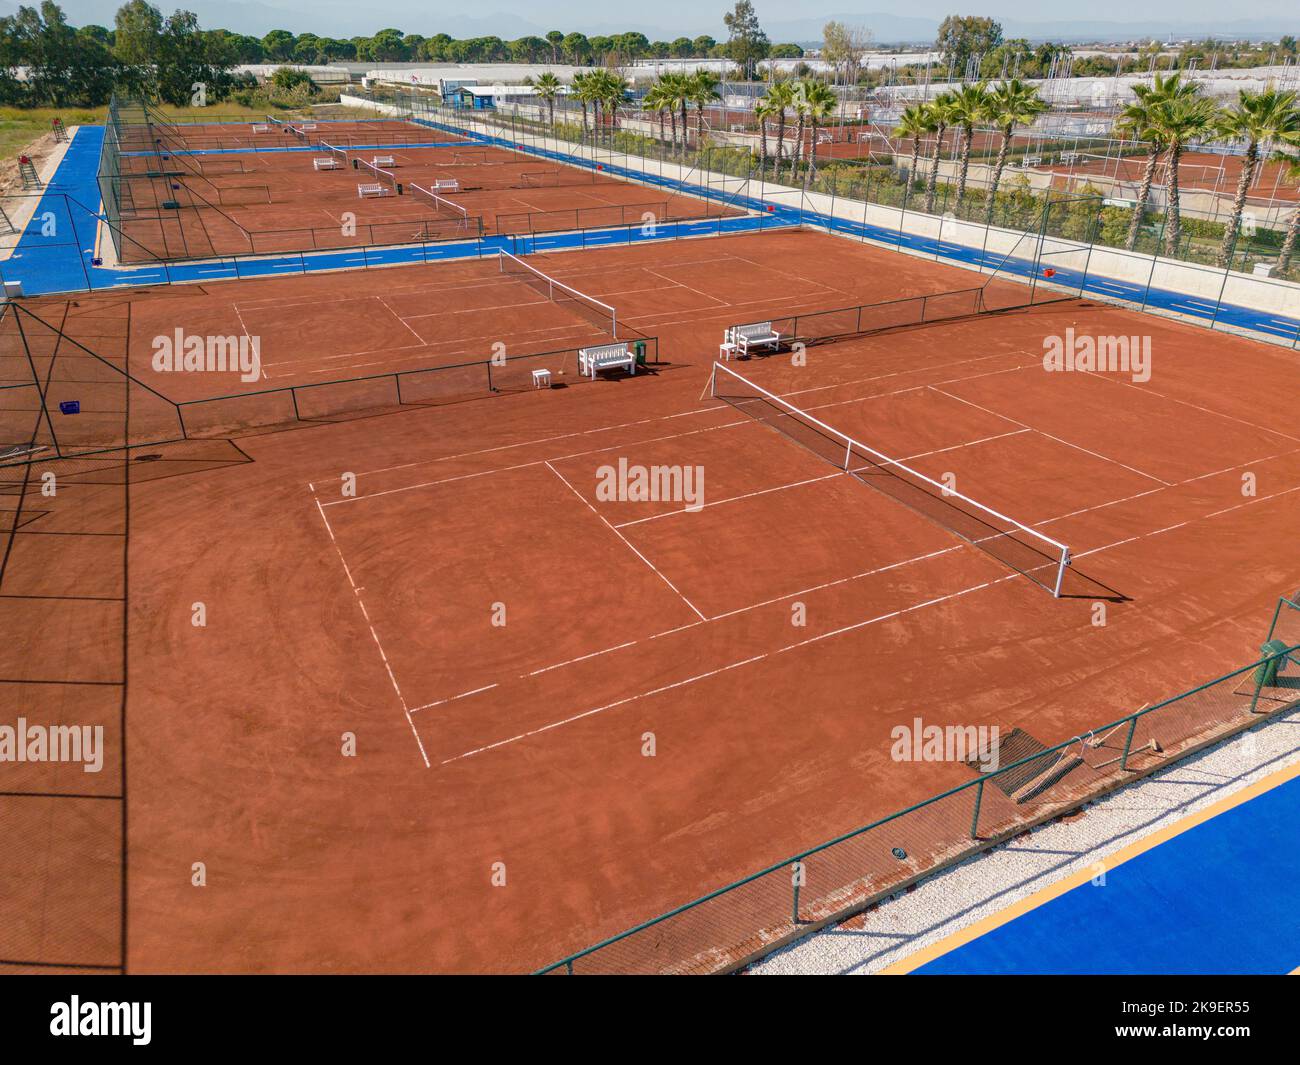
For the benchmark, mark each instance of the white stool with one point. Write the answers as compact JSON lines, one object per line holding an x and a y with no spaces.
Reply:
{"x":541,"y":378}
{"x":725,"y":350}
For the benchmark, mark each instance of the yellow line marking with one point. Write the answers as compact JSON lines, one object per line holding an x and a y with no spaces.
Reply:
{"x":1113,"y":861}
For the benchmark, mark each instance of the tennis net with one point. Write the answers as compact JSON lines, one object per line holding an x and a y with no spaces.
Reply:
{"x":387,"y":177}
{"x":1025,"y":550}
{"x":296,"y":132}
{"x":550,"y":179}
{"x":601,"y":314}
{"x":337,"y":153}
{"x":440,"y":203}
{"x":274,"y":121}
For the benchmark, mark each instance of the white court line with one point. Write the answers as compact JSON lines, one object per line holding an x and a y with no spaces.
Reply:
{"x":722,"y":669}
{"x":1059,"y":440}
{"x":707,"y":410}
{"x":600,"y":709}
{"x":1240,"y":466}
{"x":256,"y":347}
{"x":810,"y":480}
{"x":740,"y":610}
{"x":840,"y":580}
{"x":911,"y":388}
{"x":539,"y":462}
{"x":453,"y":698}
{"x":540,"y":440}
{"x":404,"y":322}
{"x":1115,"y":380}
{"x":583,"y":658}
{"x":625,"y":540}
{"x":374,"y":635}
{"x":827,"y":635}
{"x":730,"y":499}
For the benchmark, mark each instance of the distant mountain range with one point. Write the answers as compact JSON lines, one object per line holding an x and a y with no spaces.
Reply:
{"x":344,"y":18}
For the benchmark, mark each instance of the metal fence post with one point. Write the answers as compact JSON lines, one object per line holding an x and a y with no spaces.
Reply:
{"x":1128,"y":742}
{"x":798,"y":869}
{"x":975,"y":814}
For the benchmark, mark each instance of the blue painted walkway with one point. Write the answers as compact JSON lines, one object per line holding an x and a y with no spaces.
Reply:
{"x":1220,"y":897}
{"x":62,"y":262}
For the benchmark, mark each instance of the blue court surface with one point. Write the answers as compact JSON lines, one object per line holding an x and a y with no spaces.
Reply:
{"x":1216,"y":893}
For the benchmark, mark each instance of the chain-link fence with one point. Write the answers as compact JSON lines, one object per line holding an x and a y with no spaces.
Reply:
{"x":725,"y":929}
{"x":59,"y":398}
{"x":924,"y":206}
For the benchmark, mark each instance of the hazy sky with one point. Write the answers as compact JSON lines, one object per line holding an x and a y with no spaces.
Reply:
{"x":688,"y":17}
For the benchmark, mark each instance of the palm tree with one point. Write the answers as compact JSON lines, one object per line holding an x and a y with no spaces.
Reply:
{"x":938,"y":111}
{"x":914,"y":124}
{"x":613,"y":95}
{"x":1259,"y":117}
{"x":1138,"y":122}
{"x":779,"y":97}
{"x":682,"y":95}
{"x":1179,"y":122}
{"x":1011,"y":104}
{"x":582,"y":88}
{"x":821,"y":104}
{"x":702,"y":91}
{"x":763,"y":110}
{"x":655,"y":101}
{"x":799,"y":101}
{"x":672,"y":91}
{"x":1292,"y":165}
{"x":968,"y":106}
{"x":595,"y":86}
{"x":548,"y":88}
{"x":601,"y":89}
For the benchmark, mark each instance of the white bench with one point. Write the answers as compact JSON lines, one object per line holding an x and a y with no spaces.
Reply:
{"x":327,"y":164}
{"x":261,"y":127}
{"x":373,"y":190}
{"x":1069,"y":158}
{"x":446,"y":185}
{"x":383,"y":160}
{"x":740,"y":338}
{"x":1032,"y":160}
{"x":605,"y":357}
{"x":307,"y":127}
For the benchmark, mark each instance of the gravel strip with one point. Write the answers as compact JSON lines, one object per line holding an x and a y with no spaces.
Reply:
{"x":987,"y":883}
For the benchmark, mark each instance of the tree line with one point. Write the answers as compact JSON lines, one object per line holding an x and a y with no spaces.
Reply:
{"x":46,"y":62}
{"x":1166,"y":117}
{"x":976,"y":48}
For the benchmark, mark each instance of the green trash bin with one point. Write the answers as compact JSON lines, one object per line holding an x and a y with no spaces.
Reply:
{"x":1266,"y":674}
{"x":638,"y":349}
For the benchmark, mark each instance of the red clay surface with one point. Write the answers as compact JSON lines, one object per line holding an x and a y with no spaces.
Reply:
{"x":246,"y":202}
{"x":411,"y":319}
{"x":523,"y":744}
{"x":1202,"y":171}
{"x":241,"y":136}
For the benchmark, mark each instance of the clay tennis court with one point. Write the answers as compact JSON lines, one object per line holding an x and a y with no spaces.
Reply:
{"x":269,"y":136}
{"x":1197,"y":171}
{"x":240,"y":202}
{"x":502,"y":809}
